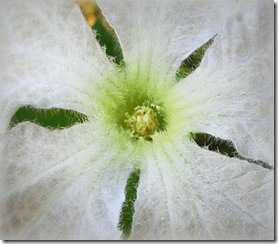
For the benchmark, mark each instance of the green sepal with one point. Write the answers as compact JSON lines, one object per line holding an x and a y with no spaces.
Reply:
{"x":191,"y":63}
{"x":109,"y":41}
{"x":126,"y":216}
{"x":224,"y":147}
{"x":52,"y":118}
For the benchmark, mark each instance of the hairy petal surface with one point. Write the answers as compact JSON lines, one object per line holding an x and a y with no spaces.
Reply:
{"x":163,"y":32}
{"x":69,"y":184}
{"x":60,"y":184}
{"x":187,"y":193}
{"x":231,"y":94}
{"x":48,"y":57}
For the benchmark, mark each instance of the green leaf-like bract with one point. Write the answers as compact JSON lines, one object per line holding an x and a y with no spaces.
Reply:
{"x":193,"y":60}
{"x":127,"y":212}
{"x":53,"y":118}
{"x":225,"y":147}
{"x":109,"y":41}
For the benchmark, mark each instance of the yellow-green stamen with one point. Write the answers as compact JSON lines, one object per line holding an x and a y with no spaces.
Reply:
{"x":143,"y":122}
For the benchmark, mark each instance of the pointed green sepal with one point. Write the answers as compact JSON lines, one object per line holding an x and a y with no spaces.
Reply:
{"x":224,"y":147}
{"x":109,"y":41}
{"x":53,"y":118}
{"x":126,"y":217}
{"x":193,"y":60}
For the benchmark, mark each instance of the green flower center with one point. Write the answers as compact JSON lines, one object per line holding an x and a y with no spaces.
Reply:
{"x":136,"y":105}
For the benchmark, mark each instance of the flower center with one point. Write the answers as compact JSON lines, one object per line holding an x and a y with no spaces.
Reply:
{"x":143,"y":122}
{"x":135,"y":106}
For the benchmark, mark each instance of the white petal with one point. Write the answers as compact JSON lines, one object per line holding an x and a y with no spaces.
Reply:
{"x":162,"y":33}
{"x":191,"y":193}
{"x":231,"y":95}
{"x":49,"y":56}
{"x":64,"y":184}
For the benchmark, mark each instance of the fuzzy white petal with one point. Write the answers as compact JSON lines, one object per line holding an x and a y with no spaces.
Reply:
{"x":70,"y":184}
{"x":163,"y":32}
{"x":60,"y":185}
{"x":187,"y":193}
{"x":49,"y":56}
{"x":231,"y":94}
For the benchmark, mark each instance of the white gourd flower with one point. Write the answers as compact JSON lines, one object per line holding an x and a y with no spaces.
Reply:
{"x":70,"y":183}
